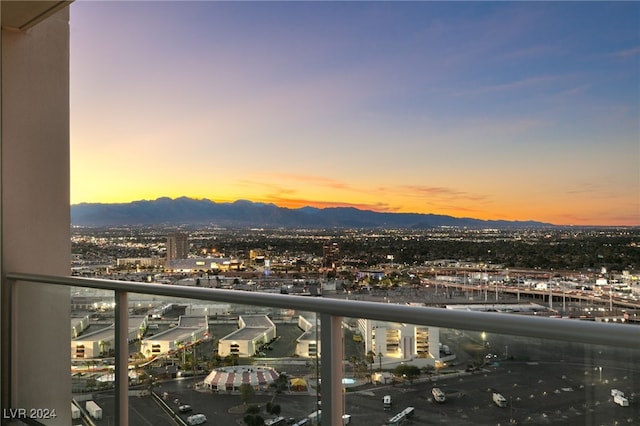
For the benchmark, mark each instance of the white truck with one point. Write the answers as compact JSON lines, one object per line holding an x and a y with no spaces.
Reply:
{"x":316,"y":418}
{"x":275,"y":421}
{"x":94,"y":410}
{"x":499,"y":400}
{"x":621,"y":400}
{"x":438,"y":395}
{"x":75,"y":411}
{"x":615,"y":392}
{"x":386,"y":402}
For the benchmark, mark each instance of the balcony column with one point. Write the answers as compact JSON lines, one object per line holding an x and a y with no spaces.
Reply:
{"x":122,"y":359}
{"x":332,"y":348}
{"x":34,"y":211}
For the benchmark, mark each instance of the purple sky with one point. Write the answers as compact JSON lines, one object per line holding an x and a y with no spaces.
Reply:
{"x":492,"y":110}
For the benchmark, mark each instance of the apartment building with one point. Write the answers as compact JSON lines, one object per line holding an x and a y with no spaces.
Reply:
{"x":397,"y":342}
{"x":177,"y":246}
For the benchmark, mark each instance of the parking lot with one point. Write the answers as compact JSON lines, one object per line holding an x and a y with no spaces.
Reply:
{"x":537,"y":393}
{"x":544,"y":382}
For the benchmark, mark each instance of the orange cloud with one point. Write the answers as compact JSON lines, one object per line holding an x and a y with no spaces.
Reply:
{"x":294,"y":203}
{"x":315,"y":180}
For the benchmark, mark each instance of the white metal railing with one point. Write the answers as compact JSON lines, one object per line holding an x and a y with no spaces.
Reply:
{"x":331,"y":313}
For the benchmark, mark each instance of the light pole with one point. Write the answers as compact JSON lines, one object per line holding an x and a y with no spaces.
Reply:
{"x":511,"y":408}
{"x":600,"y":369}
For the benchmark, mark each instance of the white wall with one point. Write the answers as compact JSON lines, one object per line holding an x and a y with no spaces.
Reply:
{"x":35,"y":211}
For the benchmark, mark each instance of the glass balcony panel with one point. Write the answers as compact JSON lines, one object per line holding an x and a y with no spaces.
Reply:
{"x":178,"y":346}
{"x":538,"y":380}
{"x":221,"y":360}
{"x":93,"y":349}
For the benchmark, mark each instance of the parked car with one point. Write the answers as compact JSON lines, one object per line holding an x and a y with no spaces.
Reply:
{"x":185,"y":408}
{"x":196,"y":419}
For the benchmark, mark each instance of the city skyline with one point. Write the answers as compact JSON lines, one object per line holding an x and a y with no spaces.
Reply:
{"x":491,"y":110}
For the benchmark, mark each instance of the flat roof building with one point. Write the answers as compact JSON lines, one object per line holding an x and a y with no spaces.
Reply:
{"x":101,"y":342}
{"x":254,"y":332}
{"x":188,"y":331}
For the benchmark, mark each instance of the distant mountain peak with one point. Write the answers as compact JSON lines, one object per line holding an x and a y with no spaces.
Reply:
{"x":245,"y":213}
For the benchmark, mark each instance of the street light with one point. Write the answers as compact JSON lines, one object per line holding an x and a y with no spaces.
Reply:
{"x":511,"y":409}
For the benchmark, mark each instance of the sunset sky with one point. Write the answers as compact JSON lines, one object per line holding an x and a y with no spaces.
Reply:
{"x":490,"y":110}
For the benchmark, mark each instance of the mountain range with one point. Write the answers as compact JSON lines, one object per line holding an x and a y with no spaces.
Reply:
{"x":242,"y":213}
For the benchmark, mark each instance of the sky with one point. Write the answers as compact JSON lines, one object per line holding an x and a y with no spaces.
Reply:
{"x":488,"y":110}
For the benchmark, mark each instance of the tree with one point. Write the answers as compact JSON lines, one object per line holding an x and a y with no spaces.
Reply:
{"x":281,"y":384}
{"x":273,"y":408}
{"x":380,"y":359}
{"x":253,"y":420}
{"x":252,"y":409}
{"x":246,"y":392}
{"x":409,"y":372}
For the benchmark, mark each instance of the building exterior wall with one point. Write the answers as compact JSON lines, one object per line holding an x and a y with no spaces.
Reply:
{"x":140,"y":261}
{"x":434,"y":343}
{"x":307,"y":348}
{"x":154,"y":347}
{"x":246,"y":341}
{"x":101,"y":342}
{"x":173,"y":338}
{"x":308,"y":345}
{"x":398,"y":342}
{"x":242,"y":348}
{"x":85,"y":349}
{"x":79,"y":325}
{"x":177,"y":246}
{"x":35,"y":212}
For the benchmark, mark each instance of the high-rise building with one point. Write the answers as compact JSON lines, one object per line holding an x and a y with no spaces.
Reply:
{"x":330,"y":255}
{"x":177,"y":246}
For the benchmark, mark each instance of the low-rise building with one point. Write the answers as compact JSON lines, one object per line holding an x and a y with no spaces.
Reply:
{"x":254,"y":331}
{"x":99,"y":343}
{"x":188,"y":331}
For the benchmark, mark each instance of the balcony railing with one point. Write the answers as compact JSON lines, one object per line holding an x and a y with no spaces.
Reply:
{"x":331,"y":312}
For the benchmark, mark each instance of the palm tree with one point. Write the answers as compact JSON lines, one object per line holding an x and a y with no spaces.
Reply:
{"x":354,"y":363}
{"x":181,"y":345}
{"x":371,"y":357}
